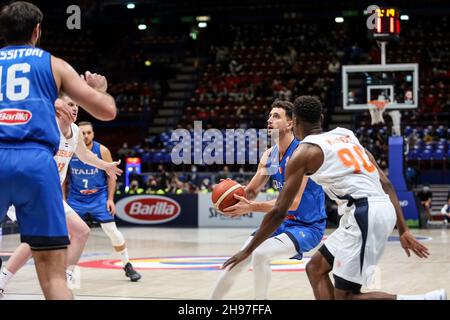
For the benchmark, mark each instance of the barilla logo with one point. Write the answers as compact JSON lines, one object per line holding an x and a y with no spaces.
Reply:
{"x":148,"y":209}
{"x":14,"y":117}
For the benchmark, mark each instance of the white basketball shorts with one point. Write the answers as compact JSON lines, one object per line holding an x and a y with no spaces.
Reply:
{"x":359,"y":241}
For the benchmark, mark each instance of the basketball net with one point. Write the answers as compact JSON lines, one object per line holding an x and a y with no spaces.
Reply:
{"x":376,"y":109}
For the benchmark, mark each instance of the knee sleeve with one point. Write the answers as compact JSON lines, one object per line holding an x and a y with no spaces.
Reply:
{"x":113,"y":233}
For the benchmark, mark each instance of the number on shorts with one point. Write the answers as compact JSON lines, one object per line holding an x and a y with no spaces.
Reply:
{"x":85,"y":181}
{"x":348,"y":159}
{"x":12,"y":82}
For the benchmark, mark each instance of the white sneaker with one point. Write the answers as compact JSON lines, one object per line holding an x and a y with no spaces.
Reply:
{"x":436,"y":295}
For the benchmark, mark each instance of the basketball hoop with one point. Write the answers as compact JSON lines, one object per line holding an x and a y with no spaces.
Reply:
{"x":380,"y":105}
{"x":376,"y":109}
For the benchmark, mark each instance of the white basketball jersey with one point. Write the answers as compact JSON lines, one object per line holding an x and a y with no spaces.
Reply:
{"x":346,"y":169}
{"x":66,"y":150}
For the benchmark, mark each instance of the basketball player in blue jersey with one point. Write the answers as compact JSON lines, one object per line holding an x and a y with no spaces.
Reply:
{"x":91,"y":194}
{"x":366,"y":200}
{"x":30,"y":79}
{"x":304,"y":226}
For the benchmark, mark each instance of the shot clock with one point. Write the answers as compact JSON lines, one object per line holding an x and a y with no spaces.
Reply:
{"x":386,"y":24}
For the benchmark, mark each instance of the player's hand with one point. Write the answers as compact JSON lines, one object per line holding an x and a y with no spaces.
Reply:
{"x":96,"y":81}
{"x":111,"y":207}
{"x":112,"y":169}
{"x":409,"y":242}
{"x":236,"y":259}
{"x":64,"y":112}
{"x":242,"y":207}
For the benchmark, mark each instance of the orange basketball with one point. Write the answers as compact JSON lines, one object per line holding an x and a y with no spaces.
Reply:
{"x":222,"y":194}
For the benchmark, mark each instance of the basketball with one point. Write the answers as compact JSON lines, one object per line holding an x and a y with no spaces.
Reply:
{"x":223,"y":194}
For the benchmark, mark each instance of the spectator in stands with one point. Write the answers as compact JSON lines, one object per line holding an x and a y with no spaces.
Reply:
{"x":235,"y":67}
{"x":134,"y":188}
{"x":163,"y":177}
{"x":176,"y":186}
{"x":133,"y":175}
{"x":205,"y":186}
{"x":425,"y":195}
{"x":334,"y":65}
{"x":125,"y":151}
{"x":224,"y":174}
{"x":446,"y":211}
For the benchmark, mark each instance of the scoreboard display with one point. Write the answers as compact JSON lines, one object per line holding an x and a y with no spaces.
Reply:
{"x":387,"y":24}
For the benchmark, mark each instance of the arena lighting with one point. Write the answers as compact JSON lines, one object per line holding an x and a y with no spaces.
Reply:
{"x":404,"y":17}
{"x":202,"y":24}
{"x":339,"y":19}
{"x":203,"y":18}
{"x":131,"y":5}
{"x":142,"y":26}
{"x":148,"y":63}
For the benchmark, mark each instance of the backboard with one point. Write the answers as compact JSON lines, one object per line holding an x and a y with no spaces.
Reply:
{"x":395,"y":83}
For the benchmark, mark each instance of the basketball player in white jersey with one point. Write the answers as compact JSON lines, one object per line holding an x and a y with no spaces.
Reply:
{"x":366,"y":200}
{"x":71,"y":142}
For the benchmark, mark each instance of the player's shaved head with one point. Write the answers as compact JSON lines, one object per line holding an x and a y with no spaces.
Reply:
{"x":308,"y":109}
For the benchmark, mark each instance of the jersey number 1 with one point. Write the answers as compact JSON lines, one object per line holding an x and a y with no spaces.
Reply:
{"x":12,"y":82}
{"x":348,"y":159}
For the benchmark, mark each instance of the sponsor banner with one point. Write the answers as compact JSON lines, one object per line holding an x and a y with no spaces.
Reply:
{"x":208,"y":216}
{"x":167,"y":210}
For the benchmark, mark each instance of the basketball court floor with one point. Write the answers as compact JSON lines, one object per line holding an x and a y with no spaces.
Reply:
{"x":183,"y":264}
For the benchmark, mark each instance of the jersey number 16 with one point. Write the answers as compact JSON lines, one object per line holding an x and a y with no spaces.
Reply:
{"x":13,"y":82}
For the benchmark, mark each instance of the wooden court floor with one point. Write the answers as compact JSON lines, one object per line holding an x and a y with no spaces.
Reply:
{"x":181,"y":263}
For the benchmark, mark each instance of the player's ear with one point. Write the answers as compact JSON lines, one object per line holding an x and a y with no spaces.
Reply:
{"x":36,"y":36}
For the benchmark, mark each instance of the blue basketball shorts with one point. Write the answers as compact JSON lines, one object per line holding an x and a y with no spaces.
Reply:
{"x":29,"y":180}
{"x":93,"y":206}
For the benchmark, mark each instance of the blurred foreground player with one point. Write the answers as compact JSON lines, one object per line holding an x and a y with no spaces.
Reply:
{"x":304,"y":226}
{"x":349,"y":175}
{"x":71,"y":143}
{"x":91,"y":194}
{"x":30,"y":79}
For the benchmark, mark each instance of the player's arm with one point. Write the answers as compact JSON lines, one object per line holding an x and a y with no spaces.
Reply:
{"x":90,"y":158}
{"x":106,"y":155}
{"x":307,"y":160}
{"x":90,"y":93}
{"x":260,"y":179}
{"x":407,"y":240}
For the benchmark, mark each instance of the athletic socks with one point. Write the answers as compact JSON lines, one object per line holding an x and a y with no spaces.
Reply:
{"x":124,"y":256}
{"x":5,"y":276}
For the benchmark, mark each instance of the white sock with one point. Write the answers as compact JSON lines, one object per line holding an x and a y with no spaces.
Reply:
{"x":124,"y":256}
{"x":411,"y":297}
{"x":227,"y":277}
{"x":280,"y":246}
{"x":69,"y":274}
{"x":5,"y":276}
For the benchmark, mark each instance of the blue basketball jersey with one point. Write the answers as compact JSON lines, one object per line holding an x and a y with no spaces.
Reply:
{"x":27,"y":95}
{"x":86,"y":180}
{"x":312,"y":204}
